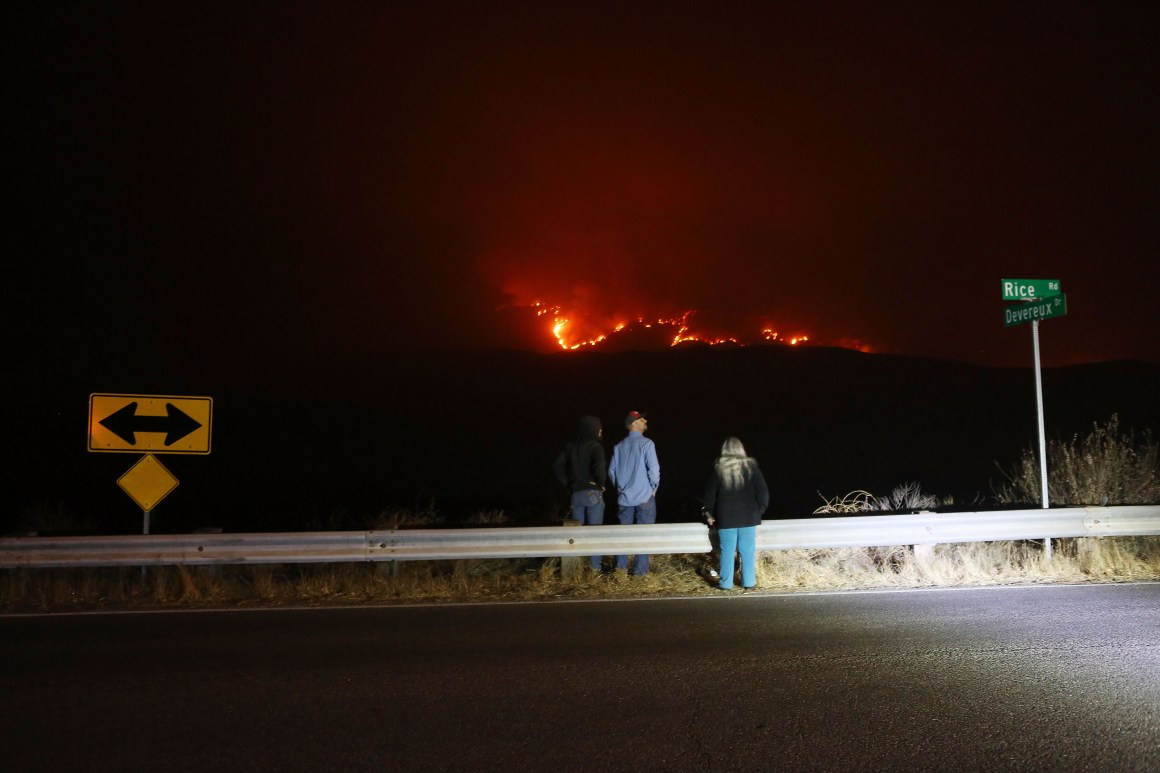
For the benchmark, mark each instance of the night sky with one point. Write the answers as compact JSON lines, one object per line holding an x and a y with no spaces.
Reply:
{"x":244,"y":187}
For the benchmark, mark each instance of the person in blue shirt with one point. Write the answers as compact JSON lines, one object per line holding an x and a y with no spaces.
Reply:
{"x":637,"y":475}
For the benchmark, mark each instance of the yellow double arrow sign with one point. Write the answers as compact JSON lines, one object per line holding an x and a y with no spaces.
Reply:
{"x":150,"y":424}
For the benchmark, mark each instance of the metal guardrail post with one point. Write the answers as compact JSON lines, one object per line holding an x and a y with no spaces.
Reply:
{"x":569,"y":565}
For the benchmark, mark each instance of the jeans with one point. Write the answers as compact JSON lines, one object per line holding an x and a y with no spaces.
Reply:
{"x":588,"y":509}
{"x":743,"y":540}
{"x":645,"y":512}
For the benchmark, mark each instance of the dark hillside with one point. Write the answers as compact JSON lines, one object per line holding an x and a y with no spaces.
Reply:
{"x":468,"y":432}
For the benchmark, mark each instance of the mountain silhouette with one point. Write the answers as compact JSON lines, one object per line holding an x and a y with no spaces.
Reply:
{"x":463,"y":432}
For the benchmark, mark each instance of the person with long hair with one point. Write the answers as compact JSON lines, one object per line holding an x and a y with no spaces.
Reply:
{"x":735,"y":499}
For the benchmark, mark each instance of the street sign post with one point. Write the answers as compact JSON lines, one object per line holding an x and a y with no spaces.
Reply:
{"x":1030,"y":289}
{"x":150,"y":424}
{"x":1035,"y":311}
{"x":1042,"y":299}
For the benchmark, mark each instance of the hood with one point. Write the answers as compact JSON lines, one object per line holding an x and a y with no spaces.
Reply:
{"x":588,"y":428}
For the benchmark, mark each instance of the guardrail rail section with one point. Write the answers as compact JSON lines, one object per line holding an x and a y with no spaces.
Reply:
{"x":546,"y":541}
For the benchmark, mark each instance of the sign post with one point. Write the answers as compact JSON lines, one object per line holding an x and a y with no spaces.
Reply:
{"x":1039,"y":411}
{"x":147,"y":482}
{"x":1041,"y":299}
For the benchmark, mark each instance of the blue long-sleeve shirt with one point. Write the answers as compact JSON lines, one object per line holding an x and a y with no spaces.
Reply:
{"x":635,"y":471}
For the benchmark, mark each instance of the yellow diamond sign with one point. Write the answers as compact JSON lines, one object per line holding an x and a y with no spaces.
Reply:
{"x":147,"y":482}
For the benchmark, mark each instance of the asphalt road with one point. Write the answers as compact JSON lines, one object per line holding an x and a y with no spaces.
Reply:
{"x":1032,"y":678}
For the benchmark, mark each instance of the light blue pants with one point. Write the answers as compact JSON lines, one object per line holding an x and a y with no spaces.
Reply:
{"x":743,"y":540}
{"x":588,"y":509}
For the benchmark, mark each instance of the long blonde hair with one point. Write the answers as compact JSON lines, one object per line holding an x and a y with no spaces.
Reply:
{"x":732,"y":447}
{"x":733,"y":465}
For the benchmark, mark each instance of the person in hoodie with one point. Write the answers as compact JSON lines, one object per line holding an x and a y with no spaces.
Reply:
{"x":637,"y":475}
{"x":581,"y":467}
{"x":735,"y":499}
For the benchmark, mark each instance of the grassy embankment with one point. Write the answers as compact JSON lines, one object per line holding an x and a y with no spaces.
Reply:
{"x":1106,"y":467}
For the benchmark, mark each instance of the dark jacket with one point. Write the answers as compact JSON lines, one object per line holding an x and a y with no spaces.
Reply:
{"x":581,"y":464}
{"x":737,"y":495}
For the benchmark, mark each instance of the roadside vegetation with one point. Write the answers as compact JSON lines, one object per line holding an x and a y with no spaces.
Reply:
{"x":1106,"y":467}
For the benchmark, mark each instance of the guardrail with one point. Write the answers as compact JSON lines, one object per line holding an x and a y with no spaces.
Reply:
{"x":353,"y":546}
{"x":544,"y":541}
{"x":934,"y":528}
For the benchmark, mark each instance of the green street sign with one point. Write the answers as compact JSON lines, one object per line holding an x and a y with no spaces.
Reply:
{"x":1038,"y":310}
{"x":1030,"y":289}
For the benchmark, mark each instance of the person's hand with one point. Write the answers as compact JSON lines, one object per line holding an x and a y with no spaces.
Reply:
{"x":711,"y":520}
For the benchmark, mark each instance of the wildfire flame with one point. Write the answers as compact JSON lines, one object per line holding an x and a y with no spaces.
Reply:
{"x":773,"y":336}
{"x":568,"y":337}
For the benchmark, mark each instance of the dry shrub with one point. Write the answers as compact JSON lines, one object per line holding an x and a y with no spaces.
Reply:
{"x":854,"y":502}
{"x":1108,"y":467}
{"x":907,"y":497}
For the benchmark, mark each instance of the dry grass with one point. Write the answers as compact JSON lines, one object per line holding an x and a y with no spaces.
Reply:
{"x":974,"y":564}
{"x":966,"y":564}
